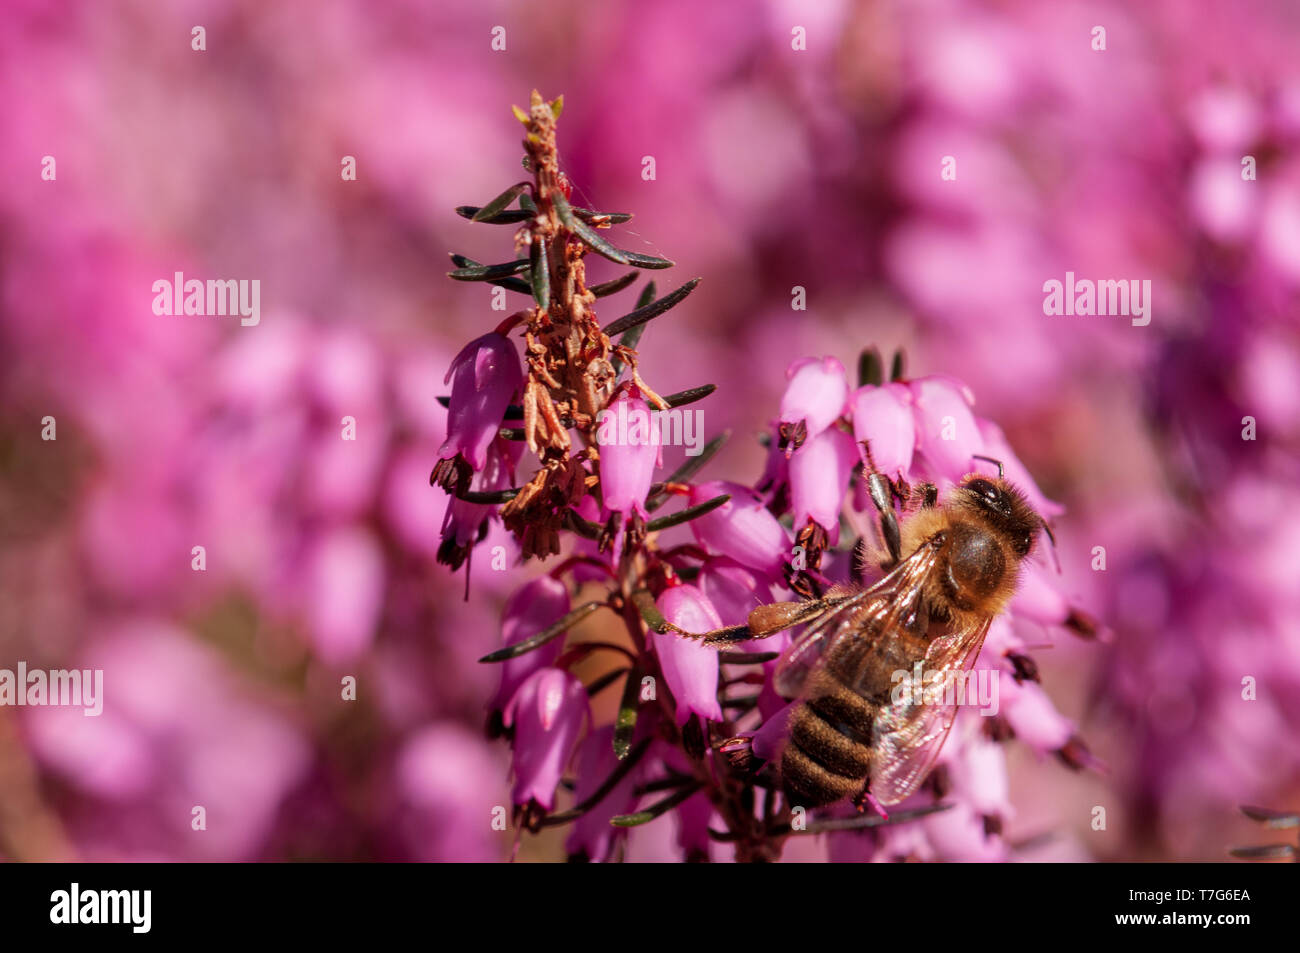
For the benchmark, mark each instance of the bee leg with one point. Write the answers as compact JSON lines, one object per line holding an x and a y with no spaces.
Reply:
{"x":878,"y":487}
{"x":926,"y":495}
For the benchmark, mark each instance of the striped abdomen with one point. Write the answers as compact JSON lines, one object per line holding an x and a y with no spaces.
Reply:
{"x":828,"y":755}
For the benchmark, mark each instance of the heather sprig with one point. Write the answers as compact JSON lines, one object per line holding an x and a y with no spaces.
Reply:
{"x":696,"y":720}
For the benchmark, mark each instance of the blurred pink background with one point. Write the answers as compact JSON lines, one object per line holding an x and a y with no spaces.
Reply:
{"x":775,"y":168}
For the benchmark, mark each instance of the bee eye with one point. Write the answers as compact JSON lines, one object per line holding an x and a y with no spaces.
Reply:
{"x":986,"y":491}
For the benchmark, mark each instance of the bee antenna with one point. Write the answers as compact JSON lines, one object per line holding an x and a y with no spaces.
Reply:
{"x":1052,"y":537}
{"x":996,"y":463}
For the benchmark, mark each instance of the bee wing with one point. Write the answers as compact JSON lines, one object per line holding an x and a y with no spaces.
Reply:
{"x":803,"y":655}
{"x":909,"y":733}
{"x":886,"y":603}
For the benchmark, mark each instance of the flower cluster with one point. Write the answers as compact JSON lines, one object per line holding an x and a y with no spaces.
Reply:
{"x":685,"y":728}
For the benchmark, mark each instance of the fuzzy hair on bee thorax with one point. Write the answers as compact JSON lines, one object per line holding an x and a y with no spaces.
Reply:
{"x":987,"y":529}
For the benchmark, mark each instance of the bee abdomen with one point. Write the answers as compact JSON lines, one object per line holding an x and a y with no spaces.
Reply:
{"x":828,"y":756}
{"x":832,"y":748}
{"x":809,"y":784}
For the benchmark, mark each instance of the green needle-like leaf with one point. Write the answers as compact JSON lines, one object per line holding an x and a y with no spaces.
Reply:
{"x":511,"y":216}
{"x":510,"y":283}
{"x":650,"y":614}
{"x":652,"y":310}
{"x":544,"y":636}
{"x":488,"y":272}
{"x":540,"y":273}
{"x":499,"y":203}
{"x":658,"y":809}
{"x":585,"y":232}
{"x":688,"y":469}
{"x":645,"y":261}
{"x":611,"y":287}
{"x":625,"y":720}
{"x":688,"y":514}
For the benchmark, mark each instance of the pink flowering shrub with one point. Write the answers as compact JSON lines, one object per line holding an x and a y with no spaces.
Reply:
{"x":811,"y":189}
{"x":684,"y":728}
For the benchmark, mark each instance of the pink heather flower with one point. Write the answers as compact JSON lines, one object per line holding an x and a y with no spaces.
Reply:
{"x":629,"y":452}
{"x":883,"y":420}
{"x":465,"y":523}
{"x":536,"y":605}
{"x":484,"y":377}
{"x":1032,"y":716}
{"x":446,"y":778}
{"x":977,"y":772}
{"x":733,"y":589}
{"x":819,"y":479}
{"x":690,"y":668}
{"x":816,"y":393}
{"x":546,"y":713}
{"x":179,"y":726}
{"x":345,"y":593}
{"x":946,"y":433}
{"x":592,"y":836}
{"x":960,"y":834}
{"x":742,"y":528}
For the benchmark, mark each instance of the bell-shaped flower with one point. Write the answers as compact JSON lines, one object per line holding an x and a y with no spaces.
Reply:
{"x":1037,"y":598}
{"x":1032,"y":716}
{"x":484,"y":376}
{"x":885,"y":428}
{"x":815,"y":394}
{"x":689,"y":667}
{"x":946,"y":433}
{"x":742,"y":528}
{"x":546,"y":713}
{"x":465,"y":523}
{"x":819,"y":479}
{"x":629,"y":441}
{"x":534,"y":607}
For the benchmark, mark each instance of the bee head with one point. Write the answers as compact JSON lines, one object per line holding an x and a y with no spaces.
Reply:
{"x":1003,"y":506}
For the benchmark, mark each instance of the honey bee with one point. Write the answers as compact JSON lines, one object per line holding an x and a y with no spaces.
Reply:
{"x":849,"y":734}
